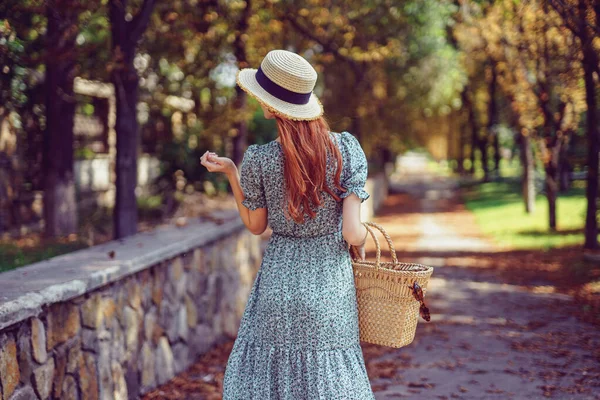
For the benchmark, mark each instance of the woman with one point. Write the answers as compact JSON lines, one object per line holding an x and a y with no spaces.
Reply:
{"x":298,"y":337}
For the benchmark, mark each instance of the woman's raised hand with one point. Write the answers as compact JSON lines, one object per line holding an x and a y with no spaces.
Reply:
{"x":214,"y":163}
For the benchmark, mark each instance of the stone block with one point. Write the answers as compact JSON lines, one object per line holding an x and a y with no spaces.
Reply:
{"x":134,"y":293}
{"x":26,"y":363}
{"x":42,"y":379}
{"x":201,"y":339}
{"x":69,"y":389}
{"x":147,"y":369}
{"x":182,"y":356}
{"x":176,"y":269}
{"x":60,"y":367}
{"x":9,"y":366}
{"x":38,"y":341}
{"x":73,"y":356}
{"x":118,"y":343}
{"x":164,"y":363}
{"x":63,"y":323}
{"x":118,"y":378}
{"x":182,"y":324}
{"x":24,"y":393}
{"x":91,"y":312}
{"x":89,"y":340}
{"x":105,"y":381}
{"x":158,"y":282}
{"x":88,"y":377}
{"x":132,"y":329}
{"x":150,"y":320}
{"x":191,"y":312}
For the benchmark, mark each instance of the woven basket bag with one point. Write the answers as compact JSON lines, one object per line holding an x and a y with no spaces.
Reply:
{"x":387,"y":309}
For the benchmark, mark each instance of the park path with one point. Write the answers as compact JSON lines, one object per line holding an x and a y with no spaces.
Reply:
{"x":489,"y":337}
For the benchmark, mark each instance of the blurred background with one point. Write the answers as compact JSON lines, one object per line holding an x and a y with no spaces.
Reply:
{"x":480,"y":121}
{"x":106,"y":107}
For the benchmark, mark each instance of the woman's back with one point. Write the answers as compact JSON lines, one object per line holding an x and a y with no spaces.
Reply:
{"x":262,"y":179}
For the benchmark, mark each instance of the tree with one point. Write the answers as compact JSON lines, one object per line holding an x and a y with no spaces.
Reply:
{"x":60,"y":208}
{"x":125,"y":36}
{"x":582,"y":18}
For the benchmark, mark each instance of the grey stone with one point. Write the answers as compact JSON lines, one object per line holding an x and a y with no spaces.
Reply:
{"x":89,"y":340}
{"x":147,"y":368}
{"x":150,"y":320}
{"x":182,"y":324}
{"x":164,"y":363}
{"x":42,"y":379}
{"x":73,"y":356}
{"x":182,"y":356}
{"x":60,"y":369}
{"x":69,"y":389}
{"x":38,"y":340}
{"x":26,"y":363}
{"x":88,"y":377}
{"x":91,"y":311}
{"x":9,"y":367}
{"x":118,"y":343}
{"x":24,"y":393}
{"x":202,"y":339}
{"x":132,"y":329}
{"x":105,"y":380}
{"x":167,"y":318}
{"x":120,"y":387}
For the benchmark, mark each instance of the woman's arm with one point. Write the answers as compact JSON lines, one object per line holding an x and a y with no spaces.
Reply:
{"x":353,"y":231}
{"x":255,"y":220}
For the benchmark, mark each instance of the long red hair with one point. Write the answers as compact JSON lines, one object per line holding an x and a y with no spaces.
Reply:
{"x":306,"y":146}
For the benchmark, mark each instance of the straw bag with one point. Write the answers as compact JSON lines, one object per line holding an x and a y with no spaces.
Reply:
{"x":385,"y":293}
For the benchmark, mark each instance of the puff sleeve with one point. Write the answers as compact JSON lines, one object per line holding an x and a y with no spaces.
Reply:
{"x":251,"y":179}
{"x":355,"y":167}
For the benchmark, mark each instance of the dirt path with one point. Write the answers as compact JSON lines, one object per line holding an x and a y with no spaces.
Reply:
{"x":492,"y":336}
{"x":487,"y":339}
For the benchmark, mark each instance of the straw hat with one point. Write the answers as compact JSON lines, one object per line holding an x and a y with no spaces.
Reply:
{"x":284,"y":84}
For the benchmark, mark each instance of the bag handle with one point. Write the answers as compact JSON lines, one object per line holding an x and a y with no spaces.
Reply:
{"x":388,"y":239}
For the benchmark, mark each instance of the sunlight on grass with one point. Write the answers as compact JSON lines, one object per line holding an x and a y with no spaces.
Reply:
{"x":500,"y":212}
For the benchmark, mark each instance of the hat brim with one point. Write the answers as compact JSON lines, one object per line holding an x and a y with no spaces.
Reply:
{"x":246,"y":79}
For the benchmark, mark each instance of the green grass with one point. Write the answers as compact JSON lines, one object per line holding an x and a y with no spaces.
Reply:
{"x":13,"y":256}
{"x":500,"y":212}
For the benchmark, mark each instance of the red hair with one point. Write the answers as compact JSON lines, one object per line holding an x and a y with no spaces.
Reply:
{"x":306,"y":145}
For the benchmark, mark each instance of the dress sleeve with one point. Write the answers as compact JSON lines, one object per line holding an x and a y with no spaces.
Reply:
{"x":251,"y":179}
{"x":355,"y":168}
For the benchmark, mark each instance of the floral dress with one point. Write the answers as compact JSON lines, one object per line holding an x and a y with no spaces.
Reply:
{"x":298,"y":337}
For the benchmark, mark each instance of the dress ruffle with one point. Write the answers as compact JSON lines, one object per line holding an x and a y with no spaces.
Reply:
{"x":281,"y":373}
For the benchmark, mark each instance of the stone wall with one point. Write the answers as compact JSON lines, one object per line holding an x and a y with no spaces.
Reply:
{"x":116,"y":320}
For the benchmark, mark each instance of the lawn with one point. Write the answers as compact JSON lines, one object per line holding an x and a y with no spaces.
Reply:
{"x":16,"y":253}
{"x":500,"y":212}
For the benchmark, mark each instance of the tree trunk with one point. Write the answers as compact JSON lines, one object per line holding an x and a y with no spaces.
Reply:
{"x":483,"y":144}
{"x":493,"y":116}
{"x":125,"y":35}
{"x":564,"y":170}
{"x":552,"y":148}
{"x":473,"y":125}
{"x":528,"y":179}
{"x":551,"y":191}
{"x":60,"y":207}
{"x":239,"y":48}
{"x":591,"y":223}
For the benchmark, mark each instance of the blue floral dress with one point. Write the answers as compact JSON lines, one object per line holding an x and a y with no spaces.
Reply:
{"x":298,"y":337}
